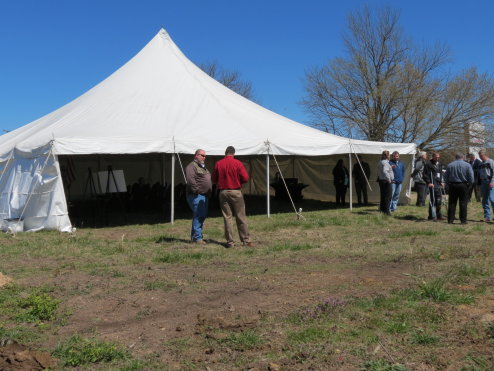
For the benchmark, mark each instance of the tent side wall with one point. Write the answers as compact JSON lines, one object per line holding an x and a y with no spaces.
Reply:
{"x":32,"y":190}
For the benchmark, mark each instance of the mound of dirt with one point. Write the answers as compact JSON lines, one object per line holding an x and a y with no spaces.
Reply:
{"x":4,"y":279}
{"x":14,"y":356}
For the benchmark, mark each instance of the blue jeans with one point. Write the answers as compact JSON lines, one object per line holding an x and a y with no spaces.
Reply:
{"x":487,"y":197}
{"x":395,"y":196}
{"x":199,"y":206}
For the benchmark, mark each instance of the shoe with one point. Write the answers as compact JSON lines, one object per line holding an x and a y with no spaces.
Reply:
{"x":485,"y":220}
{"x":441,"y":218}
{"x":249,"y":244}
{"x":199,"y":242}
{"x":229,"y":245}
{"x":433,"y":219}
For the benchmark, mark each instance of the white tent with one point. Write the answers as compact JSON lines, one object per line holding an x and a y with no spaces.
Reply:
{"x":158,"y":102}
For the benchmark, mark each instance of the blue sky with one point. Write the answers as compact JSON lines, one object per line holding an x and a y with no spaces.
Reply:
{"x":52,"y":51}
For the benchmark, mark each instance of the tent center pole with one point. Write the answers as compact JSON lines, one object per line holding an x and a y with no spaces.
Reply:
{"x":172,"y":196}
{"x":268,"y":206}
{"x":350,"y":179}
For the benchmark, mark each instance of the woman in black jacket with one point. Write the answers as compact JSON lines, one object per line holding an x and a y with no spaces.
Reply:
{"x":340,"y":181}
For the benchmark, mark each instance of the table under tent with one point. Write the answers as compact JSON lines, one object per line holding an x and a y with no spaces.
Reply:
{"x":144,"y":122}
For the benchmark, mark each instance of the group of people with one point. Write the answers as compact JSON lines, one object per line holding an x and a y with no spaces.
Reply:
{"x":461,"y":177}
{"x":229,"y":174}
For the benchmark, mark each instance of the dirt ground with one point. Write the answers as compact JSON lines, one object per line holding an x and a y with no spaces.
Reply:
{"x":144,"y":320}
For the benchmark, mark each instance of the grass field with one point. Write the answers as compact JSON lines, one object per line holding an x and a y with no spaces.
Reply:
{"x":338,"y":290}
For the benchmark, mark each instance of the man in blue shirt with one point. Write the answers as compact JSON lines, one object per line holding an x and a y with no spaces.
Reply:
{"x":399,"y":174}
{"x":459,"y":176}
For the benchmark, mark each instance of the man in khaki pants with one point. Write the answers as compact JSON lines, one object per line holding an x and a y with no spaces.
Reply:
{"x":229,"y":174}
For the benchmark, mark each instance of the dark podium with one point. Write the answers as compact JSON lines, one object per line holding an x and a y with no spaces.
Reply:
{"x":294,"y":187}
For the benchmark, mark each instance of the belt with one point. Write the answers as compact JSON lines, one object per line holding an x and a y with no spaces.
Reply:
{"x":230,"y":189}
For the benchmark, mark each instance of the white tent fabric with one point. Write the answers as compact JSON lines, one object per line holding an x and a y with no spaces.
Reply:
{"x":31,"y":190}
{"x":160,"y":102}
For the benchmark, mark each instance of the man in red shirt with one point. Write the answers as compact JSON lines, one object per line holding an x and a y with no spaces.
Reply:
{"x":229,"y":174}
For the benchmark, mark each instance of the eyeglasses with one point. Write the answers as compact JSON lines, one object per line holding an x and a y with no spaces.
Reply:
{"x":200,"y":154}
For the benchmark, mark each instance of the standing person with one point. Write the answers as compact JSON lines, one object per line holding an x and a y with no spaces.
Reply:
{"x":458,"y":176}
{"x":198,"y":191}
{"x":418,"y":179}
{"x":340,"y":181}
{"x":474,"y":187}
{"x":433,"y":176}
{"x":385,"y":177}
{"x":486,"y":172}
{"x":361,"y":172}
{"x":399,"y":174}
{"x":229,"y":174}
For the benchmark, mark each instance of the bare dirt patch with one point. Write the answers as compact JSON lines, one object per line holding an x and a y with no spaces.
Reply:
{"x":15,"y":356}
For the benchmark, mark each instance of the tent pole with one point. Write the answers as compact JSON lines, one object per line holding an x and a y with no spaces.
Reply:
{"x":350,"y":178}
{"x":268,"y":206}
{"x":172,"y":200}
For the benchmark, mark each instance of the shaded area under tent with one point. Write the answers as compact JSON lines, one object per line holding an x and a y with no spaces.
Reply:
{"x":148,"y":178}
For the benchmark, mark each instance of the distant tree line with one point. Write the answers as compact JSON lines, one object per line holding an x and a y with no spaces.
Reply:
{"x":387,"y":89}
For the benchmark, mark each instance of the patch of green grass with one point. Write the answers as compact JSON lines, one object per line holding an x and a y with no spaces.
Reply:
{"x":437,"y":291}
{"x":243,"y":340}
{"x":37,"y":308}
{"x":307,"y":335}
{"x":477,"y":363}
{"x":159,"y":285}
{"x":468,"y":270}
{"x":182,"y":257}
{"x":23,"y":335}
{"x":489,"y":329}
{"x":423,"y":338}
{"x":382,"y":365}
{"x":397,"y":327}
{"x":291,"y":247}
{"x":428,"y":313}
{"x":179,"y":344}
{"x":28,"y":305}
{"x":78,"y":351}
{"x":414,"y":233}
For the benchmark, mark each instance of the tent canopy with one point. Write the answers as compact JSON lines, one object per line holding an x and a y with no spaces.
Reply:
{"x":161,"y":102}
{"x":158,"y":102}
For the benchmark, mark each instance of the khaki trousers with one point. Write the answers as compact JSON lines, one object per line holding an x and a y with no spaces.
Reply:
{"x":232,"y":205}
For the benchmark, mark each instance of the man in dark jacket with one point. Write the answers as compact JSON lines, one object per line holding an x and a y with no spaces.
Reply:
{"x":459,"y":176}
{"x":474,"y":187}
{"x":418,"y":179}
{"x":433,"y":176}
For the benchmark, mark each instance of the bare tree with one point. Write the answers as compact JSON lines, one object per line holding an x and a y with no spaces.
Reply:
{"x":387,"y":89}
{"x":231,"y":79}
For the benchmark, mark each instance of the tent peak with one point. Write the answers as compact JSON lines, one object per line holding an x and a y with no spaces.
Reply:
{"x":163,"y":33}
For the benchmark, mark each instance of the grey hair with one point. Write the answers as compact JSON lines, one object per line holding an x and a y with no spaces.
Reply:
{"x":422,"y":153}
